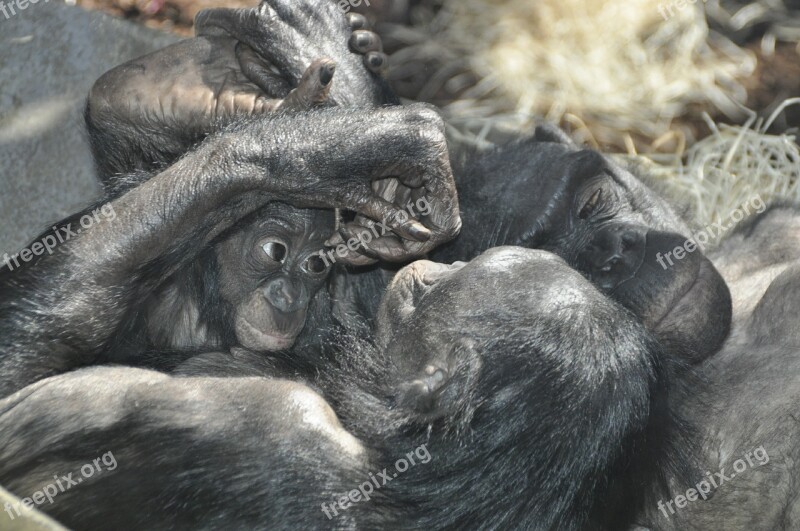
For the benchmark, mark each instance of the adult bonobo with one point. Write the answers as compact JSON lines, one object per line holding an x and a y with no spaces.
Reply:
{"x":549,"y":417}
{"x":79,"y":306}
{"x":544,"y":192}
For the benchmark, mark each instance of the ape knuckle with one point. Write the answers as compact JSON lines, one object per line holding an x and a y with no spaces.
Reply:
{"x":426,"y":115}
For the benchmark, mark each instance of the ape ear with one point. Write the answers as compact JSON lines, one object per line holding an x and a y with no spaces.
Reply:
{"x":548,"y":132}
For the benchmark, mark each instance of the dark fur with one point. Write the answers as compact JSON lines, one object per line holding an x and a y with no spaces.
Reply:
{"x":87,"y":303}
{"x":530,"y":192}
{"x":538,"y":429}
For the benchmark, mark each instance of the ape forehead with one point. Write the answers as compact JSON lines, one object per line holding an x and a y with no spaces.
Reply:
{"x":280,"y":217}
{"x":518,"y":281}
{"x":506,"y":292}
{"x":293,"y":217}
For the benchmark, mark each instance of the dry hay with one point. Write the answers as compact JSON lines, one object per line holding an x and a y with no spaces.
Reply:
{"x":740,"y":19}
{"x":732,"y":166}
{"x":615,"y":69}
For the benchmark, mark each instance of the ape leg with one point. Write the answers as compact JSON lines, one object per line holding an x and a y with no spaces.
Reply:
{"x":285,"y":454}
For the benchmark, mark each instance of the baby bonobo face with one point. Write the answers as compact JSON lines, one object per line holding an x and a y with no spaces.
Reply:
{"x":270,"y":269}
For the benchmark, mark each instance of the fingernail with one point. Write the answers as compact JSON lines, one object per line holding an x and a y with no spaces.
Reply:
{"x":376,"y":61}
{"x":326,"y":74}
{"x":419,"y":231}
{"x":356,"y":21}
{"x":363,"y":40}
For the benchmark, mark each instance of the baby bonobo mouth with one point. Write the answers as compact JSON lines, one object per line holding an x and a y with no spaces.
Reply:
{"x":251,"y":335}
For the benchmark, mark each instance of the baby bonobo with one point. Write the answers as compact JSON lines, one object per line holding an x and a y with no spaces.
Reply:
{"x":251,"y":288}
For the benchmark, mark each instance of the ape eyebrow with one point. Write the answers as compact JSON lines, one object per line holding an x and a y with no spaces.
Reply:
{"x":589,"y":163}
{"x":281,"y":222}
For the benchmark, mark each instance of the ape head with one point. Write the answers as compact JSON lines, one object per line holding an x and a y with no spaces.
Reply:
{"x":531,"y":302}
{"x":549,"y":381}
{"x":269,"y":270}
{"x":547,"y":193}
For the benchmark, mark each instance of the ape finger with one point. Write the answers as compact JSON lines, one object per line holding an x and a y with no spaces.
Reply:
{"x":314,"y":86}
{"x":222,"y":22}
{"x":357,"y":21}
{"x":360,"y":236}
{"x":269,"y":34}
{"x":363,"y":41}
{"x":255,"y":69}
{"x":391,"y":248}
{"x":358,"y":260}
{"x":357,"y":239}
{"x":376,"y":62}
{"x":395,"y":219}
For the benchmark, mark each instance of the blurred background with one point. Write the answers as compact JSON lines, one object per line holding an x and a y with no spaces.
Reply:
{"x":699,"y":91}
{"x":699,"y":94}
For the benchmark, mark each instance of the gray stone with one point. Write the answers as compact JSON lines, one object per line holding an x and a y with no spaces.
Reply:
{"x":50,"y":55}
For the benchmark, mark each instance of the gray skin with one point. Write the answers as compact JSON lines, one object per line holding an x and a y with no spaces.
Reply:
{"x":748,"y":393}
{"x":547,"y":193}
{"x":746,"y":388}
{"x":165,"y":222}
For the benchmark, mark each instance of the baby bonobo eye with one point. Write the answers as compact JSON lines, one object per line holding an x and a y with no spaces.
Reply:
{"x":275,"y":251}
{"x":315,"y":265}
{"x":592,"y":204}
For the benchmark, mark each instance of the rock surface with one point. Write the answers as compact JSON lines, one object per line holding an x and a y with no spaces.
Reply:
{"x":50,"y":55}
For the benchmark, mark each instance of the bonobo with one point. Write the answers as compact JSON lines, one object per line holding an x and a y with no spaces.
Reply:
{"x":544,"y":192}
{"x":83,"y":304}
{"x":253,"y":285}
{"x":280,"y":56}
{"x":552,"y":401}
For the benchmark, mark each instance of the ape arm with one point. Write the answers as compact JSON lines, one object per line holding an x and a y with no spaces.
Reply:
{"x":64,"y":310}
{"x":146,"y":113}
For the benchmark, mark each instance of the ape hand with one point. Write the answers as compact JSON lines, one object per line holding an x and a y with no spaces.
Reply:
{"x":158,"y":106}
{"x":371,"y":162}
{"x":290,"y":34}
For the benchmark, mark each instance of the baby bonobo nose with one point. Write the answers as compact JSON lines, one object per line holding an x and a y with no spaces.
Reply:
{"x":283,"y":295}
{"x":614,"y":255}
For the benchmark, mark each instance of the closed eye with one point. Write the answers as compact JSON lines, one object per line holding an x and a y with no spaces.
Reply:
{"x":592,"y":205}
